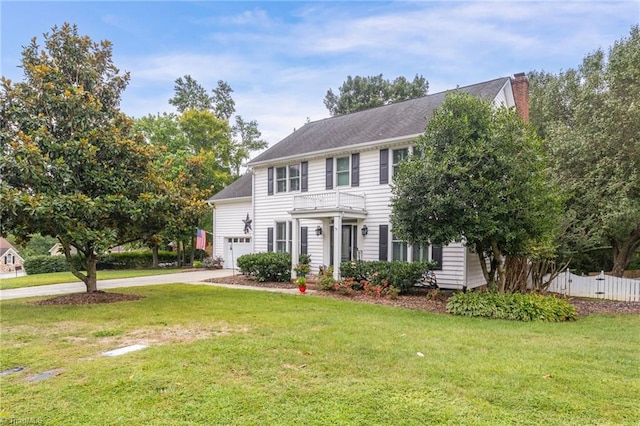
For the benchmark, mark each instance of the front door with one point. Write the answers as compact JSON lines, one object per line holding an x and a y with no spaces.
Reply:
{"x":349,"y":241}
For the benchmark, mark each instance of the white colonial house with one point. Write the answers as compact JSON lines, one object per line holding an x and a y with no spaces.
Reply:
{"x":325,"y":190}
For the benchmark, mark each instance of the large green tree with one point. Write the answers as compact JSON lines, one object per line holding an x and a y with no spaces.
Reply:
{"x":71,"y":166}
{"x":193,"y":102}
{"x":360,"y":93}
{"x":590,"y":117}
{"x":481,"y":179}
{"x":195,"y":159}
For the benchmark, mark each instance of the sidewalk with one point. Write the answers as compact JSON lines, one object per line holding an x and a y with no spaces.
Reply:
{"x":191,"y":277}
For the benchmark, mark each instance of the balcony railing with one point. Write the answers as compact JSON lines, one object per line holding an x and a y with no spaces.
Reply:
{"x":329,"y":200}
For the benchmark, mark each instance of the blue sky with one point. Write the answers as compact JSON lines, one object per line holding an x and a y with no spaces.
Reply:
{"x":281,"y":57}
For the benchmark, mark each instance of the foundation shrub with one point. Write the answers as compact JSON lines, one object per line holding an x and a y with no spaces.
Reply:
{"x":399,"y":275}
{"x":266,"y":266}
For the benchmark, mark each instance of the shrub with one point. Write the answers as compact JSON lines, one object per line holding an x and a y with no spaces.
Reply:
{"x":266,"y":266}
{"x":133,"y":260}
{"x":326,"y":280}
{"x":511,"y":306}
{"x":45,"y":264}
{"x":399,"y":275}
{"x":197,"y":264}
{"x":126,"y":260}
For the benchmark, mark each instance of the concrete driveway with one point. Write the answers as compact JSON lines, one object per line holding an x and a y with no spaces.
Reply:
{"x":190,"y":277}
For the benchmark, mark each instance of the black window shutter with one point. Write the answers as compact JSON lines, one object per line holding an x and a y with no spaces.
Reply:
{"x":436,"y":256}
{"x":270,"y":239}
{"x":270,"y":181}
{"x":329,"y":184}
{"x":304,"y":176}
{"x":355,"y":169}
{"x":384,"y":166}
{"x":384,"y":242}
{"x":303,"y":239}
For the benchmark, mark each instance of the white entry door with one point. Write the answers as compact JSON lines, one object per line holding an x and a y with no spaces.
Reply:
{"x":234,"y":247}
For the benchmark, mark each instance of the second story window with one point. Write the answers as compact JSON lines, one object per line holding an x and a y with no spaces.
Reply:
{"x":398,"y":156}
{"x":343,"y":171}
{"x":281,"y":179}
{"x":294,"y":177}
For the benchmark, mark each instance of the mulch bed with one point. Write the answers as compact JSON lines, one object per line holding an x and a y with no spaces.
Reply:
{"x":88,"y":298}
{"x":425,"y":300}
{"x":418,"y":298}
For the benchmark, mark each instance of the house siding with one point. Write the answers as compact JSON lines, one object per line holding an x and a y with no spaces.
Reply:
{"x":227,"y":222}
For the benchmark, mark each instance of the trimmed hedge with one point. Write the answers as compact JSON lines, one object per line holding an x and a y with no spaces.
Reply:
{"x":511,"y":306}
{"x":266,"y":266}
{"x":127,"y":260}
{"x":44,"y":264}
{"x":400,"y":275}
{"x":133,"y":260}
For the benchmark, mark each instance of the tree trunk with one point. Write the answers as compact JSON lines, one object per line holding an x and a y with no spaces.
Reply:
{"x":192,"y":253}
{"x":154,"y":255}
{"x":90,"y":259}
{"x":516,"y":273}
{"x":499,"y":262}
{"x":623,"y":252}
{"x":91,"y":279}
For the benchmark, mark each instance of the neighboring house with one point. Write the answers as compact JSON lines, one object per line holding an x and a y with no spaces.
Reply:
{"x":325,"y":189}
{"x":57,"y":250}
{"x":9,"y":257}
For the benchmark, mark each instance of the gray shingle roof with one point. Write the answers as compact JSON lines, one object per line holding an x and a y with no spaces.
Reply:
{"x":377,"y":124}
{"x":241,"y":187}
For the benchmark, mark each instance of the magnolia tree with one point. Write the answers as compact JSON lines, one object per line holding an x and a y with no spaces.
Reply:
{"x":71,"y":166}
{"x":480,"y":179}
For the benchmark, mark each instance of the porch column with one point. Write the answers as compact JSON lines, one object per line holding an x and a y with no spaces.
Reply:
{"x":295,"y":245}
{"x":337,"y":246}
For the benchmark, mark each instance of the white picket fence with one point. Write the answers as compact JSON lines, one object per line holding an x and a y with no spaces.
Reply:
{"x":598,"y":286}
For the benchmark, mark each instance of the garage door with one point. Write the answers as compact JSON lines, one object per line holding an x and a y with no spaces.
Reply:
{"x":234,"y":247}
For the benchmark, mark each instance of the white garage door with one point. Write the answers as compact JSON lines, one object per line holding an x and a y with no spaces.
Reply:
{"x":234,"y":247}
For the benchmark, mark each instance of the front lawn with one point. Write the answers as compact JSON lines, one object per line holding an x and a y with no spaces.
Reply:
{"x":220,"y":356}
{"x":68,"y":277}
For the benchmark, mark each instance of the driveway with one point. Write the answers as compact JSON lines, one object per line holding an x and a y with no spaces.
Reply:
{"x":190,"y":277}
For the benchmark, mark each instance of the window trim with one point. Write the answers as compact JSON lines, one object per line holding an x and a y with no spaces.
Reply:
{"x":395,"y":165}
{"x":346,"y":172}
{"x":404,"y":248}
{"x":291,"y":179}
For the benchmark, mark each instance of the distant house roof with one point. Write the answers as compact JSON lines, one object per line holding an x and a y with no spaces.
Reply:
{"x":5,"y":246}
{"x":241,"y":187}
{"x":392,"y":121}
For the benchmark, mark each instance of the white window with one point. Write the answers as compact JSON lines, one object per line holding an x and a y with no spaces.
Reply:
{"x":343,"y":171}
{"x":399,"y":249}
{"x":9,"y":259}
{"x":398,"y":156}
{"x":283,"y":237}
{"x":281,"y":179}
{"x":294,"y":177}
{"x":420,"y":252}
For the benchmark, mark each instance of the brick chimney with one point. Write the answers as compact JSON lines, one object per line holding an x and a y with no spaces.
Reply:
{"x":520,"y":86}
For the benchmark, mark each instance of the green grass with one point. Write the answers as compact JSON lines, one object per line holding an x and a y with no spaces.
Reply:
{"x":68,"y":277}
{"x":241,"y":357}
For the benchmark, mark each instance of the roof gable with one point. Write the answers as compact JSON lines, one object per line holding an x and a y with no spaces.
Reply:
{"x":241,"y":187}
{"x":407,"y":118}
